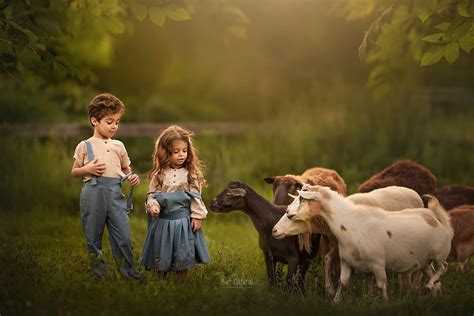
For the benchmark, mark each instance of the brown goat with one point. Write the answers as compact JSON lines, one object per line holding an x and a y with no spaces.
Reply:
{"x":404,"y":173}
{"x":289,"y":184}
{"x":282,"y":185}
{"x":455,"y":195}
{"x":462,"y":245}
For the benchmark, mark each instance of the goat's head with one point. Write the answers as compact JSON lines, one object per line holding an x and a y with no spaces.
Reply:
{"x":282,"y":187}
{"x":307,"y":204}
{"x":230,"y":199}
{"x":287,"y":227}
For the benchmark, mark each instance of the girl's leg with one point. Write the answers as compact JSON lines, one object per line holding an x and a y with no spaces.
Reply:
{"x":181,"y":277}
{"x":162,"y":275}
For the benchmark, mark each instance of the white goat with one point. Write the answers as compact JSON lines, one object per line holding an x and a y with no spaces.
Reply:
{"x":371,"y":239}
{"x":392,"y":198}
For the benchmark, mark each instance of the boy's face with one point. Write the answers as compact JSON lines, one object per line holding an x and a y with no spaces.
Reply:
{"x":107,"y":126}
{"x":179,"y":153}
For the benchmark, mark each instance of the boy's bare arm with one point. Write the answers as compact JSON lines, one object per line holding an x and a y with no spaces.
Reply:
{"x":133,"y":178}
{"x":93,"y":168}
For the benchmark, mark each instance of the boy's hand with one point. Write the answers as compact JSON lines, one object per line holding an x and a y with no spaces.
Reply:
{"x":154,"y":211}
{"x":95,"y":168}
{"x":196,"y":224}
{"x":134,"y":179}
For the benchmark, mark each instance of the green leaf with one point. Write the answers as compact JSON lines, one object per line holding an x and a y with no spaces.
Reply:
{"x":139,"y":10}
{"x":425,"y":8}
{"x":157,"y":15}
{"x":443,"y":26}
{"x":6,"y":47}
{"x":436,"y":38}
{"x":462,"y":30}
{"x":462,"y":8}
{"x":433,"y":55}
{"x":423,"y":15}
{"x":451,"y":53}
{"x":114,"y":24}
{"x":177,"y":13}
{"x":29,"y":57}
{"x":16,"y":35}
{"x":467,"y":41}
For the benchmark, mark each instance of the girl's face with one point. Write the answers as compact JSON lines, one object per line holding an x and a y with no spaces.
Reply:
{"x":107,"y":126}
{"x":179,"y":153}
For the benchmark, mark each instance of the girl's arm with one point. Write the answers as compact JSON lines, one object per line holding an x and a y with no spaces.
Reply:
{"x":151,"y":205}
{"x":198,"y":208}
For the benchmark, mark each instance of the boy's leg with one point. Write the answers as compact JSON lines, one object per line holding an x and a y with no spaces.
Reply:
{"x":118,"y":225}
{"x":93,"y":217}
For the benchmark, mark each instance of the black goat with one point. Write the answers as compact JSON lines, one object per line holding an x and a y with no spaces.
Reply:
{"x":264,"y":215}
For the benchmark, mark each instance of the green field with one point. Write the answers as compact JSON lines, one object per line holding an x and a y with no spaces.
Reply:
{"x":45,"y":271}
{"x":44,"y":265}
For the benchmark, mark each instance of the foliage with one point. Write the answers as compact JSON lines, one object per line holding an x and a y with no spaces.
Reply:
{"x":410,"y":32}
{"x":56,"y":40}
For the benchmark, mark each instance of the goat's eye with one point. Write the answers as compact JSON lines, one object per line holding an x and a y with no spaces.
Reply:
{"x":301,"y":199}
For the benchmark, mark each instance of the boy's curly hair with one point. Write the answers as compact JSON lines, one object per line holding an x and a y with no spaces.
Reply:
{"x":104,"y":104}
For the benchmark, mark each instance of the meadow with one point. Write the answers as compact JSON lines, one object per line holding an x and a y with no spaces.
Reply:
{"x":44,"y":266}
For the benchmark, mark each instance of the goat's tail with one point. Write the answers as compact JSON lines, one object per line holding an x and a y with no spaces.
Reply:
{"x":438,"y":210}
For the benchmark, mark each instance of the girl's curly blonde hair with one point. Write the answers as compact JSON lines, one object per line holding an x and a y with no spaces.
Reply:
{"x":162,"y":153}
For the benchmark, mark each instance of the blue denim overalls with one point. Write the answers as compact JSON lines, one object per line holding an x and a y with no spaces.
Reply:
{"x":103,"y":203}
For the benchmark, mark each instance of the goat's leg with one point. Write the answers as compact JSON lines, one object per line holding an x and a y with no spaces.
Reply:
{"x":301,"y":272}
{"x":344,"y":278}
{"x":271,"y":266}
{"x":293,"y":277}
{"x":328,"y":282}
{"x":434,"y":288}
{"x":381,"y":278}
{"x":463,"y":256}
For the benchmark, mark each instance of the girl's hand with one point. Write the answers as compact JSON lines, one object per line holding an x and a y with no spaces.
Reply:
{"x":95,"y":168}
{"x":196,"y":224}
{"x":134,"y":179}
{"x":154,"y":211}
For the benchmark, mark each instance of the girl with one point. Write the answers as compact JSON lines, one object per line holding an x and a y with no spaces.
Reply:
{"x":175,"y":241}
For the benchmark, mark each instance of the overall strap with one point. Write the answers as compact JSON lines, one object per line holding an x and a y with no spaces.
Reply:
{"x":130,"y":194}
{"x":90,"y":157}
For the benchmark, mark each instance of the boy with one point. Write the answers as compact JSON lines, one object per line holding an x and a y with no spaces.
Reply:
{"x":103,"y":164}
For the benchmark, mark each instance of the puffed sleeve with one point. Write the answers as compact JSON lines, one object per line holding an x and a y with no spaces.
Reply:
{"x":198,"y":209}
{"x":151,"y":201}
{"x":80,"y":154}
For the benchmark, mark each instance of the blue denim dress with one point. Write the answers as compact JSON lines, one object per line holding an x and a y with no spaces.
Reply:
{"x":170,"y":244}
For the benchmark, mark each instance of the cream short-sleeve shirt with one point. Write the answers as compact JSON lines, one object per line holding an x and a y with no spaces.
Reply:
{"x":109,"y":151}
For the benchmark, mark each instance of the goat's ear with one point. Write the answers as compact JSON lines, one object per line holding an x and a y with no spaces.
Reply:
{"x":237,"y":192}
{"x":292,"y":196}
{"x":269,"y":180}
{"x":299,"y":181}
{"x":309,"y":195}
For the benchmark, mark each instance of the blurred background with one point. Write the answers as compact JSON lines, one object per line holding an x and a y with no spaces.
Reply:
{"x":270,"y":87}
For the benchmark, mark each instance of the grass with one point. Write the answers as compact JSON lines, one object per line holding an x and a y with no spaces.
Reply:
{"x":44,"y":265}
{"x":44,"y":270}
